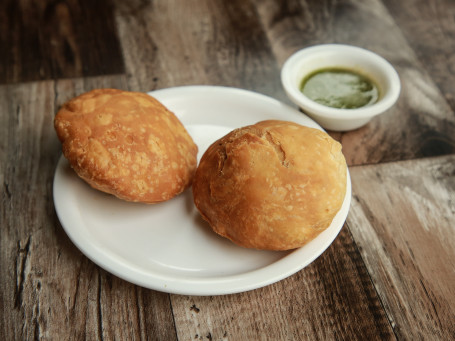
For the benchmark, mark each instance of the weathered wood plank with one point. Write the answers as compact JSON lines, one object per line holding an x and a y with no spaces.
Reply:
{"x":335,"y":300}
{"x":421,"y":124}
{"x":430,"y":29}
{"x":27,"y":209}
{"x":403,"y":219}
{"x":215,"y":43}
{"x":48,"y":289}
{"x":57,"y":39}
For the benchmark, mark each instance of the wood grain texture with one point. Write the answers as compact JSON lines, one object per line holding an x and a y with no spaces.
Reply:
{"x":48,"y":288}
{"x":57,"y":39}
{"x":429,"y":28}
{"x":215,"y":43}
{"x":421,"y":124}
{"x":402,"y":219}
{"x":390,"y":272}
{"x":332,"y":293}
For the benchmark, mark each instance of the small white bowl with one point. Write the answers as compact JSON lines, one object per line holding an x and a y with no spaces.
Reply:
{"x":304,"y":62}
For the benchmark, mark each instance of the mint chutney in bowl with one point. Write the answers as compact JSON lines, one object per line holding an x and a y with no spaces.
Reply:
{"x":342,"y":87}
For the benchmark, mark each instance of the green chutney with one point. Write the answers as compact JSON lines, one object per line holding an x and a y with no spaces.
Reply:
{"x":340,"y":88}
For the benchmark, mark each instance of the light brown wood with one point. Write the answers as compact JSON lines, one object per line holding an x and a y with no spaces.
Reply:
{"x":388,"y":275}
{"x":211,"y":43}
{"x":402,"y":219}
{"x":277,"y":313}
{"x":432,"y":23}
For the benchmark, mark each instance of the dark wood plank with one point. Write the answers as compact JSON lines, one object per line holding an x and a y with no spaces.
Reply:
{"x":384,"y":280}
{"x":48,"y":289}
{"x":402,"y":219}
{"x":331,"y":299}
{"x":214,"y":43}
{"x":421,"y":123}
{"x":57,"y":39}
{"x":429,"y":28}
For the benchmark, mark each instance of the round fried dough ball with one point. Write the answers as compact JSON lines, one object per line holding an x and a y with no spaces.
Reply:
{"x":126,"y":144}
{"x":274,"y":185}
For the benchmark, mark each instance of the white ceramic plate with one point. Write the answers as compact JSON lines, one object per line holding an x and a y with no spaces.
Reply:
{"x":168,"y":247}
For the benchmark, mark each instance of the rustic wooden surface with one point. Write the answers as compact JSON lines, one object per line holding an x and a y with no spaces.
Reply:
{"x":390,"y":272}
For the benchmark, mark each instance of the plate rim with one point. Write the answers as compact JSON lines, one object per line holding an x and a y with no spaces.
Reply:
{"x":203,"y":286}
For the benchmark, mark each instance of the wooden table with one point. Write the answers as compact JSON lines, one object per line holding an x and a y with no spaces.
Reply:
{"x":390,"y":274}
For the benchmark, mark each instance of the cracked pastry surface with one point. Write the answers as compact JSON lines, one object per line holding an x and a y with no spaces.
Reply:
{"x":126,"y":144}
{"x":274,"y":185}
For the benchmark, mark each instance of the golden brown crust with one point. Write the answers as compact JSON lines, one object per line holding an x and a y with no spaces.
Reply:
{"x":274,"y":185}
{"x":126,"y":144}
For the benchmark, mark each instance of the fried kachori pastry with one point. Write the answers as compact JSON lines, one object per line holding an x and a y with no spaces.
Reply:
{"x":127,"y":144}
{"x":274,"y":185}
